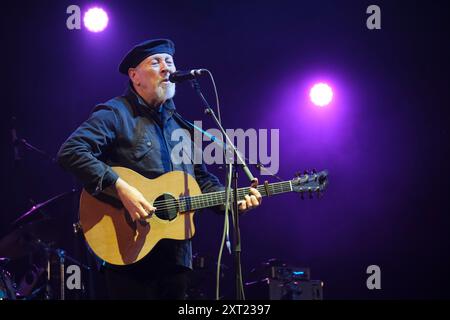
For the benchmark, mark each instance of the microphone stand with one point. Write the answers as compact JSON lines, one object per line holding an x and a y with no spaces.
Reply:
{"x":234,"y":178}
{"x":29,"y":146}
{"x":17,"y":141}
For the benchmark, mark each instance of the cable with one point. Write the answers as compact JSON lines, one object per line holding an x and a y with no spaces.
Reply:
{"x":258,"y":165}
{"x":224,"y":234}
{"x":217,"y":95}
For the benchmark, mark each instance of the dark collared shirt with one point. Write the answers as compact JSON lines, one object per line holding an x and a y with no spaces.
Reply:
{"x":126,"y":132}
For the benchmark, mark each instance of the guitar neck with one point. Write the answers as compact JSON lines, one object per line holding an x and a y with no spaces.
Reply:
{"x":213,"y":199}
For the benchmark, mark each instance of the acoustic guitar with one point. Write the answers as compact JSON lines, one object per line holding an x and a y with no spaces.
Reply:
{"x":116,"y":239}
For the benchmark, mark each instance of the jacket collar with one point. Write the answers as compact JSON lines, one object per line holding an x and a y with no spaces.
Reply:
{"x":134,"y":98}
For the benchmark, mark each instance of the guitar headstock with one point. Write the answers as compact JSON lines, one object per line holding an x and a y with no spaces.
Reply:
{"x":310,"y":182}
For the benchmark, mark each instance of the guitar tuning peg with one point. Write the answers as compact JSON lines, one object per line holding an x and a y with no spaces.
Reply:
{"x":319,"y":194}
{"x":305,"y":172}
{"x":314,"y":171}
{"x":297,"y":174}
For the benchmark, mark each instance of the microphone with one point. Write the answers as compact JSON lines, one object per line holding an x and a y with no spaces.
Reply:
{"x":180,"y":76}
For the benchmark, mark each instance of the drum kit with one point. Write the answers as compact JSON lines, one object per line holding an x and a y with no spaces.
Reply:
{"x":32,"y":261}
{"x":31,"y":237}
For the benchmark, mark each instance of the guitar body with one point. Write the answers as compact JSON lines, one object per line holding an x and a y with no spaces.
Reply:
{"x":111,"y":234}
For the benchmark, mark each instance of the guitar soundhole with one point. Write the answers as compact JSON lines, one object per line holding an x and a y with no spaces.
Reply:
{"x":166,"y":207}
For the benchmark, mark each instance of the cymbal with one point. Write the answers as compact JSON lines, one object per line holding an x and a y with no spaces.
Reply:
{"x":30,"y":231}
{"x":35,"y":213}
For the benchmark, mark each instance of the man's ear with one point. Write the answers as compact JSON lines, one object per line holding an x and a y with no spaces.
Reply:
{"x":132,"y":75}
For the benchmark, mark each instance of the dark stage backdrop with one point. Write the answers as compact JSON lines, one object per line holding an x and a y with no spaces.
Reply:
{"x":384,"y":139}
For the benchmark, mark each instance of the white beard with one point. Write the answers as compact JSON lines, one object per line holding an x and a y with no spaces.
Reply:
{"x":166,"y":92}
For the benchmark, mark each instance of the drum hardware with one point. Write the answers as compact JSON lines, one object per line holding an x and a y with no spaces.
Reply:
{"x":30,"y":235}
{"x":7,"y":285}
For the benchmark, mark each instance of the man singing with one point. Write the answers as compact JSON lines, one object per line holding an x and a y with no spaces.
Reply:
{"x":134,"y":131}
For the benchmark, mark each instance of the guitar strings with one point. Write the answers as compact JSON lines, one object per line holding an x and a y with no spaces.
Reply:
{"x":190,"y":203}
{"x":214,"y":198}
{"x":211,"y":197}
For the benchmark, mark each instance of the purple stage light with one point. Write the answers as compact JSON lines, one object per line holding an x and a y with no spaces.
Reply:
{"x":95,"y":19}
{"x":321,"y":94}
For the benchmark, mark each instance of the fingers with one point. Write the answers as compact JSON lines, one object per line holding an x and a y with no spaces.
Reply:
{"x":254,"y":201}
{"x":145,"y":209}
{"x":149,"y":209}
{"x":242,"y":205}
{"x":255,"y":193}
{"x":142,"y":210}
{"x":249,"y":202}
{"x":134,"y":202}
{"x":134,"y":215}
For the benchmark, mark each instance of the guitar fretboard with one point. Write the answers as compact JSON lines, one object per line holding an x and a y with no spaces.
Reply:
{"x":213,"y":199}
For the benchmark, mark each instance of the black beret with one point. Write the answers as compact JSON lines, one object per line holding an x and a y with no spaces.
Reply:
{"x":144,"y":50}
